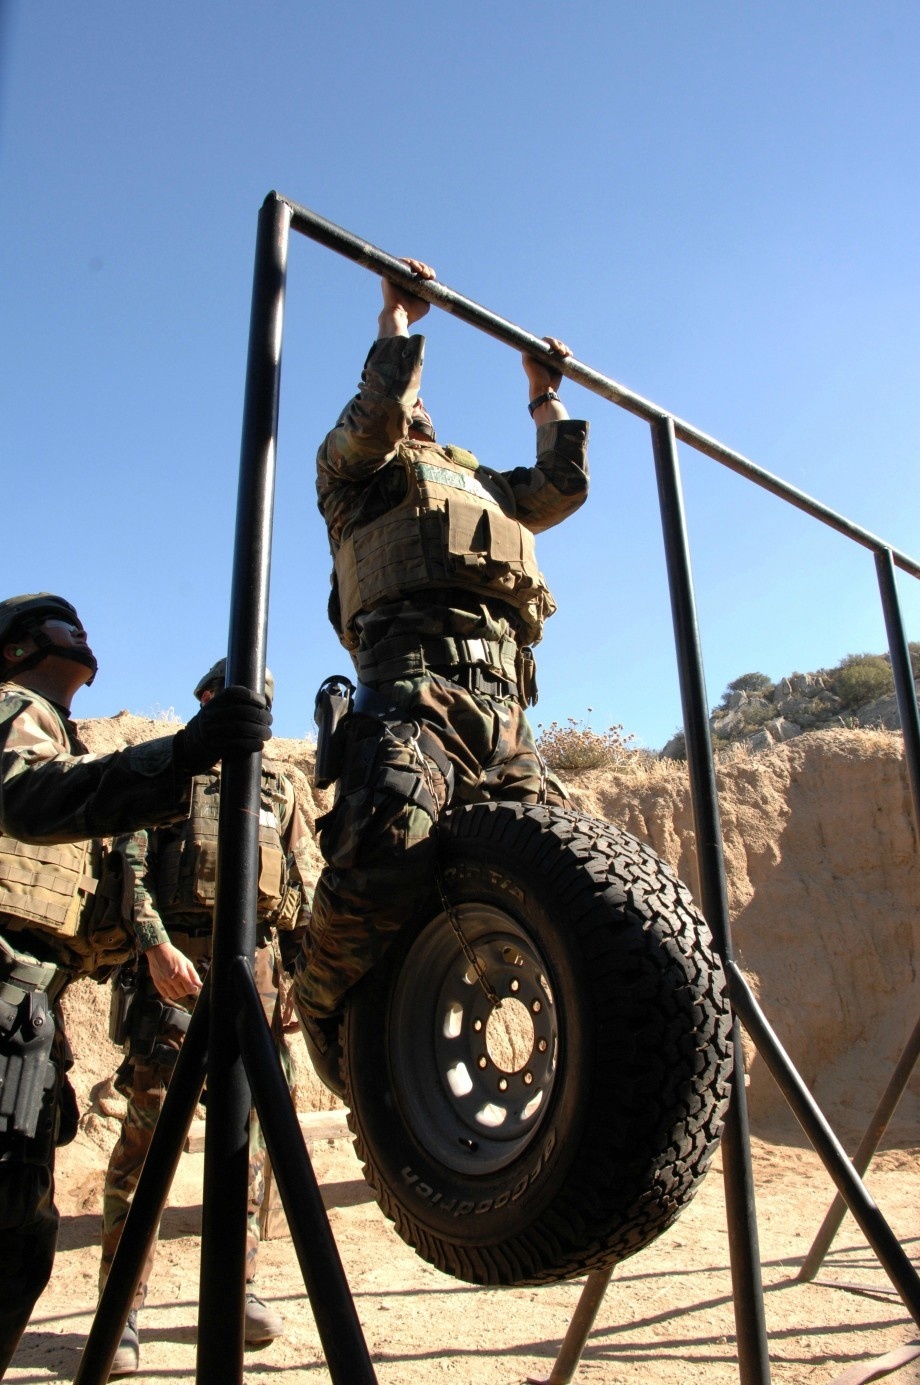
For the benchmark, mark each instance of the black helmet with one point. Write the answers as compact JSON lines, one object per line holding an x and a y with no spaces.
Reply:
{"x":21,"y":614}
{"x":24,"y":615}
{"x":217,"y":674}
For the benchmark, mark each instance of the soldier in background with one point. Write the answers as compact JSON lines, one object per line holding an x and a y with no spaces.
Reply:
{"x":61,"y":897}
{"x":174,"y":871}
{"x":438,"y":597}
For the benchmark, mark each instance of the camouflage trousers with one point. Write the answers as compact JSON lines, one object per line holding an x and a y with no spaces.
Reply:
{"x":378,"y":842}
{"x":147,"y":1091}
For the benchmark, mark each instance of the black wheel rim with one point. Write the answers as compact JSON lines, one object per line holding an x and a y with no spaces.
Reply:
{"x":474,"y":1083}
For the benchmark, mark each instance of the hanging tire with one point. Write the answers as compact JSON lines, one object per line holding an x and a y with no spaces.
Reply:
{"x":565,"y":1130}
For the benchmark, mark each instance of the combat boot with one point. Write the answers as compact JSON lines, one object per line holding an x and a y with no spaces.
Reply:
{"x":262,"y":1322}
{"x":127,"y":1357}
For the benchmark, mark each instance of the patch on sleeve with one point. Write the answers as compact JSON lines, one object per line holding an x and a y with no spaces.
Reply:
{"x":151,"y":757}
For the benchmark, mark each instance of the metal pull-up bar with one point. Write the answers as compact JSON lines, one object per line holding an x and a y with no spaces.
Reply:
{"x":333,"y":237}
{"x":241,"y":1064}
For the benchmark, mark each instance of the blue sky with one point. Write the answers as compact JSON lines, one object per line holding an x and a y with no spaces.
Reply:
{"x":715,"y":204}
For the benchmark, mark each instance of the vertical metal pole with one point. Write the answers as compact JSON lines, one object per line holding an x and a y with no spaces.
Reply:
{"x":904,"y":686}
{"x":226,"y":1155}
{"x":747,"y":1285}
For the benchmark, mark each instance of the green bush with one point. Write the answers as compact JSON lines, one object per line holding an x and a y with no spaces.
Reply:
{"x":861,"y":678}
{"x":753,"y":683}
{"x":750,"y":683}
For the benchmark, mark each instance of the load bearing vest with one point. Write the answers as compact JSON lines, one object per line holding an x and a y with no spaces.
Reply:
{"x":64,"y":893}
{"x":452,"y":529}
{"x":186,"y":865}
{"x":47,"y":887}
{"x":60,"y":894}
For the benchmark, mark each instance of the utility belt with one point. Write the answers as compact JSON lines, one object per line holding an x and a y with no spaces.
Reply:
{"x":197,"y":942}
{"x":492,"y":668}
{"x":199,"y":936}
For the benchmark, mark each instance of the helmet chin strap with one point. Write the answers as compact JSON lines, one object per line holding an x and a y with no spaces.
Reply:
{"x":423,"y":425}
{"x":46,"y":647}
{"x":83,"y":656}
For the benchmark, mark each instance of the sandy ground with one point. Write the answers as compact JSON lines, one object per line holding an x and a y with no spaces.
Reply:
{"x":667,"y":1316}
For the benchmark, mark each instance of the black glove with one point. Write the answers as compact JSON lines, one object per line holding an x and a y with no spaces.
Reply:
{"x":235,"y":722}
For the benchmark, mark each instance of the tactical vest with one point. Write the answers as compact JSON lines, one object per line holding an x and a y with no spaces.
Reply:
{"x":48,"y":886}
{"x":185,"y":876}
{"x":452,"y":529}
{"x":68,"y":894}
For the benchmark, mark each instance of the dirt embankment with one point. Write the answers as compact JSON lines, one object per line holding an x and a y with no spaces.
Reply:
{"x":823,"y":877}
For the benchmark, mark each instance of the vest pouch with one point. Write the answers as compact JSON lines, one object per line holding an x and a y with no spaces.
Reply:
{"x":387,"y":557}
{"x":271,"y":876}
{"x":196,"y":946}
{"x":491,"y":545}
{"x":205,"y":853}
{"x":534,"y":612}
{"x":107,"y":931}
{"x":46,"y":886}
{"x":288,"y":912}
{"x":510,"y":542}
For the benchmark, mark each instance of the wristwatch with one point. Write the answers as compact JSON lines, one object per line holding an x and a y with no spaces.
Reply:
{"x":546,"y":398}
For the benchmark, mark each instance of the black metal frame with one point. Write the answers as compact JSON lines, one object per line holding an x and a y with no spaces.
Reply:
{"x":238,"y":1044}
{"x":869,"y":1143}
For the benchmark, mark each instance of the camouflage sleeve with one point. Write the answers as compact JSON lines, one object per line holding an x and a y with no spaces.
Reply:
{"x":557,"y":486}
{"x":139,"y":852}
{"x":297,"y":842}
{"x":48,"y":794}
{"x":284,"y":810}
{"x":377,"y":419}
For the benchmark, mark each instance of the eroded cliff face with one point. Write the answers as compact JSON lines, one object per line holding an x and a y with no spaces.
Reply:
{"x":823,"y":876}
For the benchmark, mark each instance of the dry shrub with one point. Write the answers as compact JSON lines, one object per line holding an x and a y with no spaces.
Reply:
{"x":576,"y":746}
{"x":645,"y":769}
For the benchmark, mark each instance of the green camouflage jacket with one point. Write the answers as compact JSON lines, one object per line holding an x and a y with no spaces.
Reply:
{"x":53,"y":791}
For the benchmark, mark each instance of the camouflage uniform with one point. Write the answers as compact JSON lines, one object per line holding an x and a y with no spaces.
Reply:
{"x":174,"y":879}
{"x":56,"y":802}
{"x":439,"y":626}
